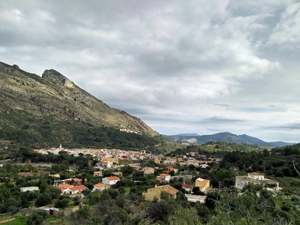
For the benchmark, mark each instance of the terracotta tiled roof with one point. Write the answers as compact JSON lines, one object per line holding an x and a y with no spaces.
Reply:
{"x":168,"y":189}
{"x":186,"y":186}
{"x":99,"y":185}
{"x":75,"y":188}
{"x":159,"y":179}
{"x":146,"y":168}
{"x":203,"y":180}
{"x":113,"y":178}
{"x":64,"y":186}
{"x":164,"y":174}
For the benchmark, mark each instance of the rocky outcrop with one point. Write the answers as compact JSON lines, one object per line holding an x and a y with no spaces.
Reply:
{"x":56,"y":76}
{"x":54,"y":96}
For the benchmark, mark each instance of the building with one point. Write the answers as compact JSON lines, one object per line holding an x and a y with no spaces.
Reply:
{"x":119,"y":174}
{"x":148,"y":170}
{"x":74,"y":190}
{"x":63,"y":187}
{"x":135,"y":167}
{"x":170,"y":169}
{"x":203,"y":184}
{"x":98,"y":174}
{"x":155,"y":192}
{"x":196,"y":198}
{"x":33,"y":188}
{"x":255,"y":178}
{"x":100,"y":187}
{"x":77,"y":181}
{"x":204,"y":165}
{"x":164,"y":177}
{"x":110,"y":180}
{"x":187,"y":187}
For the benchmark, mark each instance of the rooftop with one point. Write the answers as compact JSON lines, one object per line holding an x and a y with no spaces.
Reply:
{"x":168,"y":189}
{"x":113,"y":178}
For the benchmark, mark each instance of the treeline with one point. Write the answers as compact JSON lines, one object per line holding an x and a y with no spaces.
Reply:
{"x":76,"y":136}
{"x":216,"y":149}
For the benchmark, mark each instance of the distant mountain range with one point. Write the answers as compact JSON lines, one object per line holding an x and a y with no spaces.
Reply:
{"x":194,"y":138}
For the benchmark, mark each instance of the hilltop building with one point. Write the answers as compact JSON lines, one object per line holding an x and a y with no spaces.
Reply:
{"x":255,"y":178}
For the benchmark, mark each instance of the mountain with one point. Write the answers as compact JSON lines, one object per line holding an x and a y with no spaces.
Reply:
{"x":188,"y":134}
{"x":225,"y":136}
{"x":52,"y":107}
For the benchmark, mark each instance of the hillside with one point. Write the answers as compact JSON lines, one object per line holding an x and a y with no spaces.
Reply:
{"x":51,"y":109}
{"x":225,"y":136}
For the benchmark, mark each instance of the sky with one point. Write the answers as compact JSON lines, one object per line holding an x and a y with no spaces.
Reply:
{"x":194,"y":66}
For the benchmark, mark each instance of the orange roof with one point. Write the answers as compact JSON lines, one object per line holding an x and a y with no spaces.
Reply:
{"x":78,"y":180}
{"x":164,"y":174}
{"x":99,"y":185}
{"x":203,"y":180}
{"x":159,"y":179}
{"x":113,"y":178}
{"x":146,"y":168}
{"x":186,"y":186}
{"x":75,"y":188}
{"x":64,"y":186}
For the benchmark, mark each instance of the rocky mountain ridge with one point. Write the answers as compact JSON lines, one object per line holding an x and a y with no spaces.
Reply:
{"x":52,"y":97}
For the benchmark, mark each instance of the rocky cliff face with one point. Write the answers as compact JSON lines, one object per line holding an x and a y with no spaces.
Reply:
{"x":55,"y":96}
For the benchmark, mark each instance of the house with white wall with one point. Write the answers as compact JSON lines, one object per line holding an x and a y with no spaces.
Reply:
{"x":110,"y":180}
{"x":255,"y":178}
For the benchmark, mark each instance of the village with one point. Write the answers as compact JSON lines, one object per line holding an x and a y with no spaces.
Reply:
{"x":161,"y":174}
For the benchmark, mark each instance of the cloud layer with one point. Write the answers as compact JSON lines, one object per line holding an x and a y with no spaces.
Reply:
{"x":193,"y":66}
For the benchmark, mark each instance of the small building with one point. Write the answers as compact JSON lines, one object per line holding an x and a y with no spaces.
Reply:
{"x":164,"y":177}
{"x":63,"y":187}
{"x":203,"y":166}
{"x":157,"y":161}
{"x":110,"y":180}
{"x":187,"y":187}
{"x":77,"y":181}
{"x":32,"y":188}
{"x":255,"y":178}
{"x":157,"y":190}
{"x":196,"y":198}
{"x":148,"y":170}
{"x":135,"y":167}
{"x":98,"y":174}
{"x":119,"y":174}
{"x":170,"y":169}
{"x":100,"y":187}
{"x":203,"y":184}
{"x":74,"y":190}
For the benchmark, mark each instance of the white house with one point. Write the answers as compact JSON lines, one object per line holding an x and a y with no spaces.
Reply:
{"x":74,"y":190}
{"x":204,"y":166}
{"x":254,"y":178}
{"x":33,"y":188}
{"x":164,"y":177}
{"x":110,"y":180}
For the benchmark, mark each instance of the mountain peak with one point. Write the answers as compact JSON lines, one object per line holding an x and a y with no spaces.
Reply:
{"x":56,"y":76}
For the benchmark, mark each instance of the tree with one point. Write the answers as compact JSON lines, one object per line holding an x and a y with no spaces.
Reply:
{"x":164,"y":195}
{"x":43,"y":199}
{"x":160,"y":210}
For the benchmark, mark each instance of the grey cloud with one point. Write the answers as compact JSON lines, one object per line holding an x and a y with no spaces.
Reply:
{"x":177,"y":65}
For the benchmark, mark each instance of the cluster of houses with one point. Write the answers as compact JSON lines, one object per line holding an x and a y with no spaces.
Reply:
{"x":75,"y":186}
{"x":155,"y":193}
{"x":108,"y":158}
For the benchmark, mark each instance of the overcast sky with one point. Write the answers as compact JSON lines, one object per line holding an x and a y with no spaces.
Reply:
{"x":181,"y":66}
